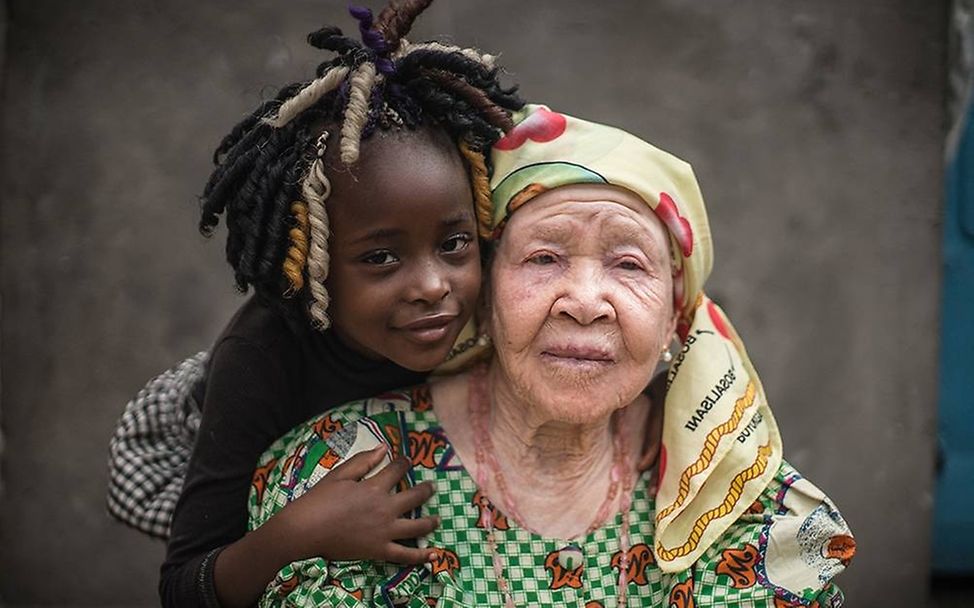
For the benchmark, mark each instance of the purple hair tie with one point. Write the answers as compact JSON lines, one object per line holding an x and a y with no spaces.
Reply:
{"x":373,"y":39}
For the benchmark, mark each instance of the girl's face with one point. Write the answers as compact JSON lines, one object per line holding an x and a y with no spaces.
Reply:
{"x":404,"y":273}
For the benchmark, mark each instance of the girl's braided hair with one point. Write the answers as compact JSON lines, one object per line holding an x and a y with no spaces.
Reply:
{"x":270,"y":181}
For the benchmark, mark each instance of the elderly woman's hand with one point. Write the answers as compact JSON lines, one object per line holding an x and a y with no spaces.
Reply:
{"x":348,"y":516}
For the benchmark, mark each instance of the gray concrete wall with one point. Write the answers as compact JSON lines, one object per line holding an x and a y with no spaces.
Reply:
{"x":815,"y":129}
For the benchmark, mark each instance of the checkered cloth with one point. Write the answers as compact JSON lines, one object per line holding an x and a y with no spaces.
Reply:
{"x":149,"y":452}
{"x":771,"y":556}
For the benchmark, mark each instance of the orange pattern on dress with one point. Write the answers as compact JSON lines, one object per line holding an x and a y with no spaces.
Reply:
{"x":325,"y":426}
{"x":640,"y":559}
{"x":285,"y":587}
{"x":444,"y":561}
{"x":422,"y":399}
{"x":484,"y":506}
{"x":739,"y":564}
{"x":329,"y":459}
{"x":259,"y":481}
{"x":561,"y":576}
{"x":783,"y":603}
{"x":841,"y":547}
{"x":422,"y":448}
{"x":681,"y":595}
{"x":357,"y":594}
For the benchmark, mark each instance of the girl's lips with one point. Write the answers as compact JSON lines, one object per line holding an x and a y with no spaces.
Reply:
{"x":429,"y":329}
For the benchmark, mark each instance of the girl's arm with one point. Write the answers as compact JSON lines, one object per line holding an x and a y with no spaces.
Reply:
{"x":344,"y":517}
{"x":248,"y":405}
{"x":249,"y":402}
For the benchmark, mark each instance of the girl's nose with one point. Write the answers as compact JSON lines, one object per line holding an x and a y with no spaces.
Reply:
{"x":429,"y":284}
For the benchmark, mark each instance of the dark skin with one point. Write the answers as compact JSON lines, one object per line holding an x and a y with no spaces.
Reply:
{"x":404,"y":279}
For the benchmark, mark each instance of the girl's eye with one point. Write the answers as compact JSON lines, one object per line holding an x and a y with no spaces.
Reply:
{"x":456,"y":243}
{"x":383,"y":257}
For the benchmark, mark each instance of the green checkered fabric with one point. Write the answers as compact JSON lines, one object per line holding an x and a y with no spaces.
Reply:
{"x":539,"y":569}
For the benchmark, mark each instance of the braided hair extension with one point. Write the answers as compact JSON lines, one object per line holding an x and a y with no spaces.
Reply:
{"x":270,"y":182}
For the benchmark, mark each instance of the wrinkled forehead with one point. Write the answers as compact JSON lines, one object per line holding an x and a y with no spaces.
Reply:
{"x":561,"y":214}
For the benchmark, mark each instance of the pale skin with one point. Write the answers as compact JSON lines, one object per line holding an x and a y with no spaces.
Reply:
{"x":583,"y":275}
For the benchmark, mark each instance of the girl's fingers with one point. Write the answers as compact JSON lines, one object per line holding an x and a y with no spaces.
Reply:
{"x":408,"y":556}
{"x":414,"y":528}
{"x":388,"y":478}
{"x":359,"y":465}
{"x":412,"y":498}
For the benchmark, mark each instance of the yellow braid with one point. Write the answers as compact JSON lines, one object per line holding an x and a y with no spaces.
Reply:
{"x":297,"y":253}
{"x":481,"y":188}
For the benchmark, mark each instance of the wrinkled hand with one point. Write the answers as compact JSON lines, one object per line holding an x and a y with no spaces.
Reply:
{"x":346,"y":517}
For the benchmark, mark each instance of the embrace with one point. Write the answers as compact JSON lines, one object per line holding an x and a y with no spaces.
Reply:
{"x":600,"y":248}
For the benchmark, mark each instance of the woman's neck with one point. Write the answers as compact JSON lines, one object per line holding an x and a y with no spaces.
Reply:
{"x":557,"y":473}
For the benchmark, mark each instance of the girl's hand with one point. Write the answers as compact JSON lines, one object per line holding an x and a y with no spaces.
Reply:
{"x":346,"y":517}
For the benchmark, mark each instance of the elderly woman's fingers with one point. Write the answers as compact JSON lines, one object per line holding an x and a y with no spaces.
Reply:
{"x":409,"y":556}
{"x":414,"y":528}
{"x":389,"y":477}
{"x":412,"y":498}
{"x":359,"y":465}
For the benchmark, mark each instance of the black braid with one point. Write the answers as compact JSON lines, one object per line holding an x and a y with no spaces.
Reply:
{"x":259,"y":168}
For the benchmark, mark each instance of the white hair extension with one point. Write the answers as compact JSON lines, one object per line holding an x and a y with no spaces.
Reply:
{"x":315,"y":189}
{"x":356,"y":111}
{"x":406,"y":47}
{"x":308,"y":96}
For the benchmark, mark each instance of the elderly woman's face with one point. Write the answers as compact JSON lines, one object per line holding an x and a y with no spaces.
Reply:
{"x":581,"y":300}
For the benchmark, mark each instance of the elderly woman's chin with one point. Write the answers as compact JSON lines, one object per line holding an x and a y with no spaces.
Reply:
{"x":574,"y":387}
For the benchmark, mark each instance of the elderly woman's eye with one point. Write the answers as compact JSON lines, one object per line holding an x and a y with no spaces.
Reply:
{"x":457,"y":242}
{"x":630,"y":265}
{"x":542,"y":259}
{"x":382,"y":257}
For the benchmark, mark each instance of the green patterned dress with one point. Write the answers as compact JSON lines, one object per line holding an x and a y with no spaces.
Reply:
{"x":782,"y":553}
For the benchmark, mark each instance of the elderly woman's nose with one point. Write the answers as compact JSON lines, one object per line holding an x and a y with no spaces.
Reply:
{"x":584,"y":296}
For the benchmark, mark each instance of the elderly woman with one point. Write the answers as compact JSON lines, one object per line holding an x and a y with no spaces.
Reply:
{"x":601,"y":250}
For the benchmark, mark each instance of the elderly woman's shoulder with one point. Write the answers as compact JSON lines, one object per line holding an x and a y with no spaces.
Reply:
{"x":792,"y":540}
{"x":301,"y":457}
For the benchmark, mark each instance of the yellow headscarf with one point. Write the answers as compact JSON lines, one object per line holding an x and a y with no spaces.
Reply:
{"x":721,"y":446}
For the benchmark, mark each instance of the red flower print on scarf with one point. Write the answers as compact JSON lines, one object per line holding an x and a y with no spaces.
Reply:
{"x":717,"y":320}
{"x":542,"y":126}
{"x":667,"y":212}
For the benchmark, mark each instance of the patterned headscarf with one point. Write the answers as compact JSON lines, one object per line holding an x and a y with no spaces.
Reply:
{"x":721,"y":446}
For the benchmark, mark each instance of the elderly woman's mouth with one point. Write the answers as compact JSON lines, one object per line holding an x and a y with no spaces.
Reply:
{"x":578,"y":356}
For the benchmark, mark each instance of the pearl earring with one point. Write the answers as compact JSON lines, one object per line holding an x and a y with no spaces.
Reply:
{"x":667,"y":356}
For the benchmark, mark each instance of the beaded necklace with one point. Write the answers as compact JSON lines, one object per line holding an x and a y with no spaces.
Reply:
{"x":619,"y":476}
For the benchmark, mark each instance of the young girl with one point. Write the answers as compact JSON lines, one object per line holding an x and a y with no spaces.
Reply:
{"x":368,"y":296}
